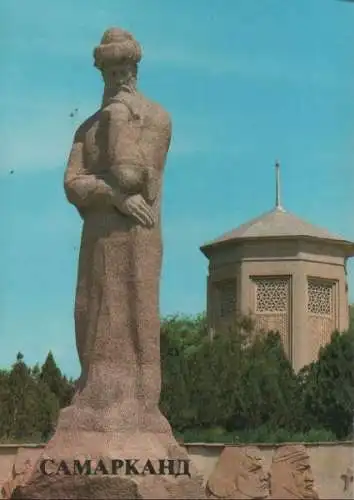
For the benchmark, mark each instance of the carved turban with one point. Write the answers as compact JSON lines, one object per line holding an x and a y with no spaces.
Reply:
{"x":292,"y":454}
{"x":116,"y":45}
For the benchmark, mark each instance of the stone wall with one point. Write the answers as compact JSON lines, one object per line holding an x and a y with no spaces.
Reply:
{"x":332,"y":463}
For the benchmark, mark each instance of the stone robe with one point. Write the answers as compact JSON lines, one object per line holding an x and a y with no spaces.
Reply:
{"x":117,"y":298}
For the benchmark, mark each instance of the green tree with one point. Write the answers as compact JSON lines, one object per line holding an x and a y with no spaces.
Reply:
{"x":5,"y":418}
{"x":215,"y":379}
{"x":180,"y":336}
{"x":48,"y":405}
{"x":51,"y":375}
{"x":269,"y":386}
{"x":328,"y":385}
{"x":22,"y":401}
{"x":239,"y":380}
{"x":67,"y":391}
{"x":59,"y":385}
{"x":29,"y":407}
{"x":47,"y":411}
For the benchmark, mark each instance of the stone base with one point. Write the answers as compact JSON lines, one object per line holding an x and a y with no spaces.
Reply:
{"x":110,"y":487}
{"x":69,"y":446}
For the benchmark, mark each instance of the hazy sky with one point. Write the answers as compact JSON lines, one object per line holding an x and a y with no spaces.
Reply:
{"x":246,"y":82}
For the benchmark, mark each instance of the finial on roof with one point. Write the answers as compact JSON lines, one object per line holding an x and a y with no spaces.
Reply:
{"x":278,"y":205}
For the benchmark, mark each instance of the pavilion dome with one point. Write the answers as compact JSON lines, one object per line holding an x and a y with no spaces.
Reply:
{"x":276,"y":223}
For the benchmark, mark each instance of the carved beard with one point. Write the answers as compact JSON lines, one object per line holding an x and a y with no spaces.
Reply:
{"x":303,"y":492}
{"x":125,"y":78}
{"x":123,"y":82}
{"x":250,"y":488}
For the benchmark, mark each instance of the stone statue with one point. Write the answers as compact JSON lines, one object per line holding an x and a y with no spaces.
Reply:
{"x":114,"y":179}
{"x":238,"y":474}
{"x":291,"y":475}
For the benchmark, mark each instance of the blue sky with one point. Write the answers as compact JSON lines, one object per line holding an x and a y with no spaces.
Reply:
{"x":246,"y":82}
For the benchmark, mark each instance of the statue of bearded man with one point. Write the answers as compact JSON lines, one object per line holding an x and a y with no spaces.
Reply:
{"x":114,"y":178}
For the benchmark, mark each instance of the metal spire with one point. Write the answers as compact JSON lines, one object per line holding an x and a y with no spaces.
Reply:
{"x":278,"y":205}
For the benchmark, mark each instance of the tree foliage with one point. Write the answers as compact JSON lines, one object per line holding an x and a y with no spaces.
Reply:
{"x":243,"y":383}
{"x":29,"y":406}
{"x":240,"y":386}
{"x":329,"y":385}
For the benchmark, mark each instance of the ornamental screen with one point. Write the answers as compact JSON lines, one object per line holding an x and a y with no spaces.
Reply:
{"x":321,"y":314}
{"x":272,"y":295}
{"x":320,"y":297}
{"x":272,"y":299}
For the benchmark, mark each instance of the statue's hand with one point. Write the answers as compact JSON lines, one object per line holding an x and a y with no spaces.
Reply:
{"x":136,"y":207}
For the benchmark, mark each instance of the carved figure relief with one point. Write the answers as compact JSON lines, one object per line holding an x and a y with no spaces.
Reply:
{"x":21,"y":470}
{"x":238,"y":474}
{"x":347,"y":478}
{"x":291,"y":475}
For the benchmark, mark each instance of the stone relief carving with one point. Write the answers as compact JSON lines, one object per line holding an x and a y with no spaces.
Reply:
{"x":21,"y":471}
{"x":347,"y":478}
{"x":291,"y":475}
{"x":238,"y":474}
{"x":18,"y":478}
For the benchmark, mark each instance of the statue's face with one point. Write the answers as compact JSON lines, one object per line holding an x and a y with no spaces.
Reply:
{"x":253,"y":482}
{"x":303,"y":478}
{"x":117,"y":74}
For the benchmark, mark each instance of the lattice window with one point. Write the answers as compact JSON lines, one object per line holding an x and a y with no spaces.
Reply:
{"x":272,"y":295}
{"x":227,"y":297}
{"x":320,"y":298}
